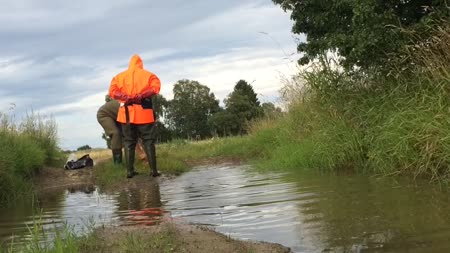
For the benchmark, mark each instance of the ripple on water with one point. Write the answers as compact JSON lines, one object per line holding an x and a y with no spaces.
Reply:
{"x":241,"y":203}
{"x":309,"y":213}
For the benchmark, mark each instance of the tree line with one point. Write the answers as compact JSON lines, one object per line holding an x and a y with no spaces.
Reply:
{"x":195,"y":112}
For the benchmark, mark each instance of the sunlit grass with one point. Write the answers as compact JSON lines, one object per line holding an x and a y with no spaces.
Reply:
{"x":95,"y":154}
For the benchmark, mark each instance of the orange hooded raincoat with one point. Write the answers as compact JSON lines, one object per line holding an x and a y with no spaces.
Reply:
{"x":135,"y":80}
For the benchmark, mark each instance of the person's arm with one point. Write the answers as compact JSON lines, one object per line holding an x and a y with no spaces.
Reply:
{"x":116,"y":93}
{"x":154,"y":85}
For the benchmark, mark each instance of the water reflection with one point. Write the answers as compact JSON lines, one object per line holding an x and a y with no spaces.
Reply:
{"x":79,"y":207}
{"x":140,"y":206}
{"x":139,"y":198}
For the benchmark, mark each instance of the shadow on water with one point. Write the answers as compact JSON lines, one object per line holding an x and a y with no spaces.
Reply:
{"x":308,"y":213}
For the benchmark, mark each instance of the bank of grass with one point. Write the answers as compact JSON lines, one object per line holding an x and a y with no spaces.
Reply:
{"x":166,"y":237}
{"x":65,"y":240}
{"x":394,"y":122}
{"x":26,"y":148}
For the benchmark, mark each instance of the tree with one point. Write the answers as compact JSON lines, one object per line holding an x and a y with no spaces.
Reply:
{"x":85,"y":147}
{"x":269,"y":109}
{"x":162,"y":133}
{"x":191,"y":107}
{"x":365,"y":32}
{"x":244,"y":104}
{"x":159,"y":106}
{"x":224,"y":123}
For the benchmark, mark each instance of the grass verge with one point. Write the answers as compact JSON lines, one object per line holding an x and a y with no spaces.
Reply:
{"x":31,"y":145}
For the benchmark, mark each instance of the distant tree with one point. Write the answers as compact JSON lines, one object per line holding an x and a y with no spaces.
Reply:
{"x":365,"y":32}
{"x":244,"y":104}
{"x":162,"y":133}
{"x":160,"y":105}
{"x":269,"y":109}
{"x":224,"y":123}
{"x":85,"y":147}
{"x":191,"y":107}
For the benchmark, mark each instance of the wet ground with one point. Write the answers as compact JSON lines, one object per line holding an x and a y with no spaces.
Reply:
{"x":308,"y":213}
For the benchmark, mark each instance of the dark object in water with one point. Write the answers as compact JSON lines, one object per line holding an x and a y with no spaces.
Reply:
{"x":84,"y":161}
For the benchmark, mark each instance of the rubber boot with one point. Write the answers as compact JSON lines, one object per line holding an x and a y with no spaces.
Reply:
{"x":117,"y":156}
{"x":129,"y":156}
{"x":150,"y":151}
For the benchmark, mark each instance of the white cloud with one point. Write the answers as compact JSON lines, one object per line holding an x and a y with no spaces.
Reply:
{"x":58,"y":57}
{"x":221,"y":72}
{"x":45,"y":16}
{"x":11,"y":67}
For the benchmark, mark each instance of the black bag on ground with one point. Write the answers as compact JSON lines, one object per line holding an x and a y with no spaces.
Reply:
{"x":84,"y":161}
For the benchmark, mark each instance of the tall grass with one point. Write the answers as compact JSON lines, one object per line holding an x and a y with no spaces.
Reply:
{"x":52,"y":240}
{"x":27,"y":147}
{"x":367,"y":122}
{"x":43,"y":131}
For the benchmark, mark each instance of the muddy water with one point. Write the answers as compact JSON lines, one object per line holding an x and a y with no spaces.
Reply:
{"x":308,"y":213}
{"x":312,"y":213}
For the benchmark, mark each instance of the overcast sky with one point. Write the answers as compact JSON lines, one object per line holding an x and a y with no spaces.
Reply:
{"x":58,"y":57}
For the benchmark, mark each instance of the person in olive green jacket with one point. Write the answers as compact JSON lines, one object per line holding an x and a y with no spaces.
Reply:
{"x":106,"y":116}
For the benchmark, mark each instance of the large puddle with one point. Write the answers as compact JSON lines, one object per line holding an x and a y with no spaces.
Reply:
{"x":308,"y":213}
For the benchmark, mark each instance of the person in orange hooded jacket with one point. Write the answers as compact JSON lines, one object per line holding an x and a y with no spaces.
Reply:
{"x":134,"y":88}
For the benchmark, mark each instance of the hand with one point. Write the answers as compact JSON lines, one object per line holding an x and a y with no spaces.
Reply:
{"x":121,"y":96}
{"x":129,"y":101}
{"x":148,"y":93}
{"x":137,"y":99}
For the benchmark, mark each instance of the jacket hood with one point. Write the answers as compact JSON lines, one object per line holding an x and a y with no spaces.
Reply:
{"x":136,"y":62}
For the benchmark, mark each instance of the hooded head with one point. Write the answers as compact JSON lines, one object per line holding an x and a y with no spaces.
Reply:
{"x":136,"y":62}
